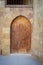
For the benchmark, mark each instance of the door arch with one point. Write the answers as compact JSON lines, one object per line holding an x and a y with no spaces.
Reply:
{"x":20,"y":35}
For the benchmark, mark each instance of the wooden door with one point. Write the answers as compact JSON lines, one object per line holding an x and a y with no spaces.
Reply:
{"x":20,"y":36}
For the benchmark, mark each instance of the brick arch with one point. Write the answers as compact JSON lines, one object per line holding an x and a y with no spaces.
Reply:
{"x":20,"y":35}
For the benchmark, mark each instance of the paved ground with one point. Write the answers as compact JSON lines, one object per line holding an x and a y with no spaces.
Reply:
{"x":18,"y":60}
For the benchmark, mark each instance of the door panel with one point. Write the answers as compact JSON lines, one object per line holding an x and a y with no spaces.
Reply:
{"x":20,"y":35}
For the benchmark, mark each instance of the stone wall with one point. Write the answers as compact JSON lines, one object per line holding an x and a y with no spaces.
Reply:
{"x":35,"y":16}
{"x":37,"y":36}
{"x":6,"y":17}
{"x":2,"y":3}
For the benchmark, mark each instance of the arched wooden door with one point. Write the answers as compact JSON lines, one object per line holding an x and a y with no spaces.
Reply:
{"x":20,"y":35}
